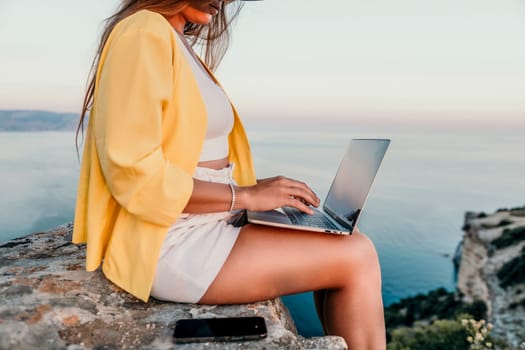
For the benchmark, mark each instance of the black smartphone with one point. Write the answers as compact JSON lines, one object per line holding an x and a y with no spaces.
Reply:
{"x":219,"y":329}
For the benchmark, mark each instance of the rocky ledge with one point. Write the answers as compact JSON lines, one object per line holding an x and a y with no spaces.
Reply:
{"x":481,"y":260}
{"x":49,"y":301}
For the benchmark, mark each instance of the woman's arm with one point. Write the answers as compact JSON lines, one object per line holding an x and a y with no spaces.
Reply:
{"x":267,"y":194}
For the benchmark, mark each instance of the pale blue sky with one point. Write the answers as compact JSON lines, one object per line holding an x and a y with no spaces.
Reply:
{"x":423,"y":60}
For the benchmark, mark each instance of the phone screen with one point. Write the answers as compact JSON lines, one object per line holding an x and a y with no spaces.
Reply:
{"x":219,"y":329}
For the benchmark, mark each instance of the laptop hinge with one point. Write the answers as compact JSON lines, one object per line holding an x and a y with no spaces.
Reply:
{"x":337,"y":218}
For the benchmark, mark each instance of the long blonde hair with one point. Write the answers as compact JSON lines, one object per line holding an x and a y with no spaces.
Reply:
{"x":213,"y":38}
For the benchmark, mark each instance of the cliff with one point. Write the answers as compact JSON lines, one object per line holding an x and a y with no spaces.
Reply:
{"x":482,"y":258}
{"x":48,"y":301}
{"x":34,"y":120}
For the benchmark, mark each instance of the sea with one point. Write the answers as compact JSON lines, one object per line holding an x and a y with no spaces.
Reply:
{"x":429,"y":178}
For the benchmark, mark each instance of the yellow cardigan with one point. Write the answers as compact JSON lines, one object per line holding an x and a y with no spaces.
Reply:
{"x":143,"y":142}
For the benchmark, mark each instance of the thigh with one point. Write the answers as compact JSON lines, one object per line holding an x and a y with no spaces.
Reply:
{"x":267,"y":262}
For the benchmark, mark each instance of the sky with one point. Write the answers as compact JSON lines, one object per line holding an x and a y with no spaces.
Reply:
{"x":424,"y":61}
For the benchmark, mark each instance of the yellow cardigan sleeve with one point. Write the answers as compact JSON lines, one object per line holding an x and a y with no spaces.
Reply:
{"x":135,"y":82}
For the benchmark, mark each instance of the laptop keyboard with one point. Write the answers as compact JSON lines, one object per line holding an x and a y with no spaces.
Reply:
{"x":316,"y":220}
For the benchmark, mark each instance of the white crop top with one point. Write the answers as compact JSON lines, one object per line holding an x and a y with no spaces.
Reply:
{"x":218,"y":107}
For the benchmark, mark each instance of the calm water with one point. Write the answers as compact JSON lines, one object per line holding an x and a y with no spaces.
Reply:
{"x":414,"y":212}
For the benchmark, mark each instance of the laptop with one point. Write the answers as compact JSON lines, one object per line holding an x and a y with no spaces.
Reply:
{"x":346,"y":198}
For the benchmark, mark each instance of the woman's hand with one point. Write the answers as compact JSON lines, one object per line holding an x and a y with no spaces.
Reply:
{"x":276,"y":192}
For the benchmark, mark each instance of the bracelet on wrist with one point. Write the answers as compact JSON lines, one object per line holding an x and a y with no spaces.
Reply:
{"x":232,"y":188}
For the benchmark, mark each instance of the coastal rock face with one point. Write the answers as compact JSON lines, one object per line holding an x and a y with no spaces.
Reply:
{"x":32,"y":120}
{"x":478,"y":268}
{"x":48,"y":301}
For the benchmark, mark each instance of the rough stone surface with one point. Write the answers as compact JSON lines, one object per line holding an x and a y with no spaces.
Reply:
{"x":48,"y":301}
{"x":478,"y":268}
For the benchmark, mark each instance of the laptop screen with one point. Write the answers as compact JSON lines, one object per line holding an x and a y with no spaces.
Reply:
{"x":353,"y":180}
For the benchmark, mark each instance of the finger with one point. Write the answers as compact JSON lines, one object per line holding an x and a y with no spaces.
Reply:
{"x":296,"y":188}
{"x":304,"y":195}
{"x":294,"y":202}
{"x":305,"y":187}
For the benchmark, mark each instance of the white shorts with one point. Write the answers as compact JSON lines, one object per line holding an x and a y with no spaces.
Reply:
{"x":195,"y":249}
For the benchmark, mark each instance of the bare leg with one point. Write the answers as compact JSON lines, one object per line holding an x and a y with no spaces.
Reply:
{"x":268,"y":262}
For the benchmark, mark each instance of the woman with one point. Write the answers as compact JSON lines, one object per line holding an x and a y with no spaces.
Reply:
{"x":166,"y":161}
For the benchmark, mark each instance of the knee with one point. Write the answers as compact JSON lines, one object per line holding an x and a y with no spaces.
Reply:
{"x":359,"y":252}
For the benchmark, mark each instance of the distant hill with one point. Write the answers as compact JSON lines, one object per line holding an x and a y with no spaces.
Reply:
{"x":31,"y":120}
